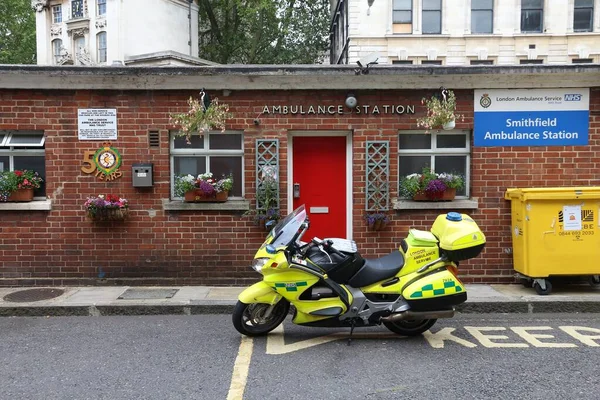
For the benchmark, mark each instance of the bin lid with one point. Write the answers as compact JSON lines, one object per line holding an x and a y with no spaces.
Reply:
{"x":553,"y":193}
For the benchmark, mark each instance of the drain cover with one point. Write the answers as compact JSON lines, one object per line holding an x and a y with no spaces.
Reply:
{"x":138,"y":294}
{"x":25,"y":296}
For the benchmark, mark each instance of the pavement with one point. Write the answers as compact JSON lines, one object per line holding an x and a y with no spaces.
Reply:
{"x":189,"y":300}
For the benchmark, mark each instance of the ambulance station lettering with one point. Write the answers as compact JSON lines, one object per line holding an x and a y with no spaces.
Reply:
{"x":338,"y":109}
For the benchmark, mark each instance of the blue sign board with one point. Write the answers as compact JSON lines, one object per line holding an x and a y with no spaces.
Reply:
{"x":536,"y":117}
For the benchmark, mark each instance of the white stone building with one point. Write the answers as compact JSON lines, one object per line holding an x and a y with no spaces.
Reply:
{"x":107,"y":32}
{"x":463,"y":32}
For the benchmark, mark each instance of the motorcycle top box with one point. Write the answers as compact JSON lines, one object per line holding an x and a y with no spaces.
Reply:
{"x":331,"y":284}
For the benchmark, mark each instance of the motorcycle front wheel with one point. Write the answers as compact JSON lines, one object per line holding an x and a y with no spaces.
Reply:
{"x":410,"y":327}
{"x":258,"y":319}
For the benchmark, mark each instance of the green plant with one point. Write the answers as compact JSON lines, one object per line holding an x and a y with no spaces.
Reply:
{"x":11,"y":181}
{"x":204,"y":182}
{"x":267,"y":202}
{"x":430,"y":183}
{"x":200,"y":118}
{"x":441,"y":109}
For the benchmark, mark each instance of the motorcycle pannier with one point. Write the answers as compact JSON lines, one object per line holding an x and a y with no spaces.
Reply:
{"x":338,"y":268}
{"x":459,"y":236}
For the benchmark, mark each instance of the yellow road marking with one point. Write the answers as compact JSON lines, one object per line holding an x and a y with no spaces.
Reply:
{"x":240,"y":370}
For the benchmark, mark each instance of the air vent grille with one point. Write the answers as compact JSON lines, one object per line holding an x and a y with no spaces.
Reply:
{"x":154,"y":138}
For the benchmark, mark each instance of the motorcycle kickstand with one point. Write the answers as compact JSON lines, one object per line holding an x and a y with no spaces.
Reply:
{"x":352,"y":324}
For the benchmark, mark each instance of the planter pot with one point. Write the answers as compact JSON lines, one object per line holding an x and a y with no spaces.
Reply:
{"x":198,"y":196}
{"x":21,"y":195}
{"x":109,"y":214}
{"x":449,"y":125}
{"x":447,"y":195}
{"x":378,"y":225}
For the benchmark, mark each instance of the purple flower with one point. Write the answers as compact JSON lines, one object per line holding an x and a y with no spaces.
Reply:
{"x":207,"y":188}
{"x":435,"y":188}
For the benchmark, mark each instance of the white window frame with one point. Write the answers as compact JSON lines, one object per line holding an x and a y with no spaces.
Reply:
{"x":100,"y":48}
{"x":9,"y":147}
{"x":57,"y":17}
{"x":205,"y":152}
{"x":434,"y":151}
{"x":98,"y":10}
{"x":56,"y":47}
{"x":492,"y":19}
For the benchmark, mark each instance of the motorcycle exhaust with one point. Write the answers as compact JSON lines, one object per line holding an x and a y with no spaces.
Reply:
{"x":417,"y":315}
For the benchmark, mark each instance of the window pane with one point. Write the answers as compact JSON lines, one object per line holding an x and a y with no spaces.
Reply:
{"x":402,"y":5}
{"x":584,"y":3}
{"x":482,"y":62}
{"x":452,"y":165}
{"x":414,"y":141}
{"x":31,"y":139}
{"x":531,"y":21}
{"x":432,"y":4}
{"x":197,"y":142}
{"x":36,"y":164}
{"x":432,"y":21}
{"x":225,"y":142}
{"x":189,"y":165}
{"x":402,"y":17}
{"x":481,"y":22}
{"x":482,"y":4}
{"x":582,"y":20}
{"x":532,"y":4}
{"x":4,"y":163}
{"x":225,"y":166}
{"x":412,"y":164}
{"x":445,"y":141}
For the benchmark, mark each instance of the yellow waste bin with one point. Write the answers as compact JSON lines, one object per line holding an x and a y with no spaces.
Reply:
{"x":555,"y":231}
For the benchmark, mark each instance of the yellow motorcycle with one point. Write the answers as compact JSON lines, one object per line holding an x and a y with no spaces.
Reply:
{"x":331,"y":285}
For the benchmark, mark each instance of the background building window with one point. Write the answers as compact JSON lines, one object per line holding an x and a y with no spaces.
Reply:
{"x":482,"y":62}
{"x":219,"y":153}
{"x":442,"y":152}
{"x":532,"y":15}
{"x":79,"y":45}
{"x":76,"y":8}
{"x":101,"y":7}
{"x":583,"y":17}
{"x":24,"y":150}
{"x":56,"y":46}
{"x":402,"y":62}
{"x":101,"y":47}
{"x":56,"y":14}
{"x":402,"y":16}
{"x":536,"y":61}
{"x":482,"y":16}
{"x":432,"y":16}
{"x":431,"y":62}
{"x":582,"y":60}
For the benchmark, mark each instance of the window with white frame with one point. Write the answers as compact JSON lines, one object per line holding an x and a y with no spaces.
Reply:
{"x":56,"y":48}
{"x":402,"y":16}
{"x":21,"y":150}
{"x":101,"y":46}
{"x":482,"y":16}
{"x":79,"y":44}
{"x":532,"y":13}
{"x":583,"y":16}
{"x":441,"y":151}
{"x":222,"y":154}
{"x":56,"y":14}
{"x":101,"y":7}
{"x":432,"y":16}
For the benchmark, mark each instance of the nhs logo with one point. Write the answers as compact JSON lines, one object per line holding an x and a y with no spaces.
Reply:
{"x":573,"y":97}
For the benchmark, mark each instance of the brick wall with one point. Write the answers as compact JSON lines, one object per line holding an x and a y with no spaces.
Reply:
{"x":215,"y":247}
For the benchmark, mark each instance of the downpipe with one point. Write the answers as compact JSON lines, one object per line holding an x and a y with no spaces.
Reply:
{"x":417,"y":315}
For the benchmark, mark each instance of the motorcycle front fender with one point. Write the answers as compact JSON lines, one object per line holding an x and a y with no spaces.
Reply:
{"x":260,"y":292}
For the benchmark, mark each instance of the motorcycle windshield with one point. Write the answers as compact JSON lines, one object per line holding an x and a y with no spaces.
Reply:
{"x":286,"y":229}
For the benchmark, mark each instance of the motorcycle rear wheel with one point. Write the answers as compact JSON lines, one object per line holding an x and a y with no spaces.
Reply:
{"x":250,"y":320}
{"x":409,"y":327}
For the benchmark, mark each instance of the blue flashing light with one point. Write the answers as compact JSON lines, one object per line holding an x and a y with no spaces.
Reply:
{"x":271,"y":249}
{"x":453,"y":216}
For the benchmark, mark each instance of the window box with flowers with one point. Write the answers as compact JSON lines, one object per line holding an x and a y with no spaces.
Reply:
{"x":106,"y":208}
{"x":441,"y":111}
{"x":430,"y":186}
{"x":18,"y":186}
{"x":204,"y":188}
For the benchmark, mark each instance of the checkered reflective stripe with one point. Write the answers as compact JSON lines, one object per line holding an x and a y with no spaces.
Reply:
{"x":290,"y":287}
{"x":430,"y":290}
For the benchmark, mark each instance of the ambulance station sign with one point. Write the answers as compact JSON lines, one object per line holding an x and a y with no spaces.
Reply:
{"x":97,"y":123}
{"x":531,"y":117}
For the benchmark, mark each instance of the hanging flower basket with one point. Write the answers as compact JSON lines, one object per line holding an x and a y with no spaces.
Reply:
{"x":377,"y":221}
{"x":109,"y":214}
{"x":441,"y":111}
{"x":106,"y":208}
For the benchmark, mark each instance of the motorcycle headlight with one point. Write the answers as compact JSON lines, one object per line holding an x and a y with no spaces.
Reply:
{"x":259,"y":263}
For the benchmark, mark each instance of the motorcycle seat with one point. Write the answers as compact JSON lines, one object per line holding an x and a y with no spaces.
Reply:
{"x":375,"y":270}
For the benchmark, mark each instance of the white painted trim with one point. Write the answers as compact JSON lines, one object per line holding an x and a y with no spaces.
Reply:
{"x":349,"y":156}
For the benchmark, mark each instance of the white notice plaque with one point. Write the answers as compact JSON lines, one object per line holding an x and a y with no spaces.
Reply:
{"x":97,"y":123}
{"x":572,"y":218}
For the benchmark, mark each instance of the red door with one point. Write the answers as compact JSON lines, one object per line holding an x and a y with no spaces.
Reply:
{"x":320,"y":173}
